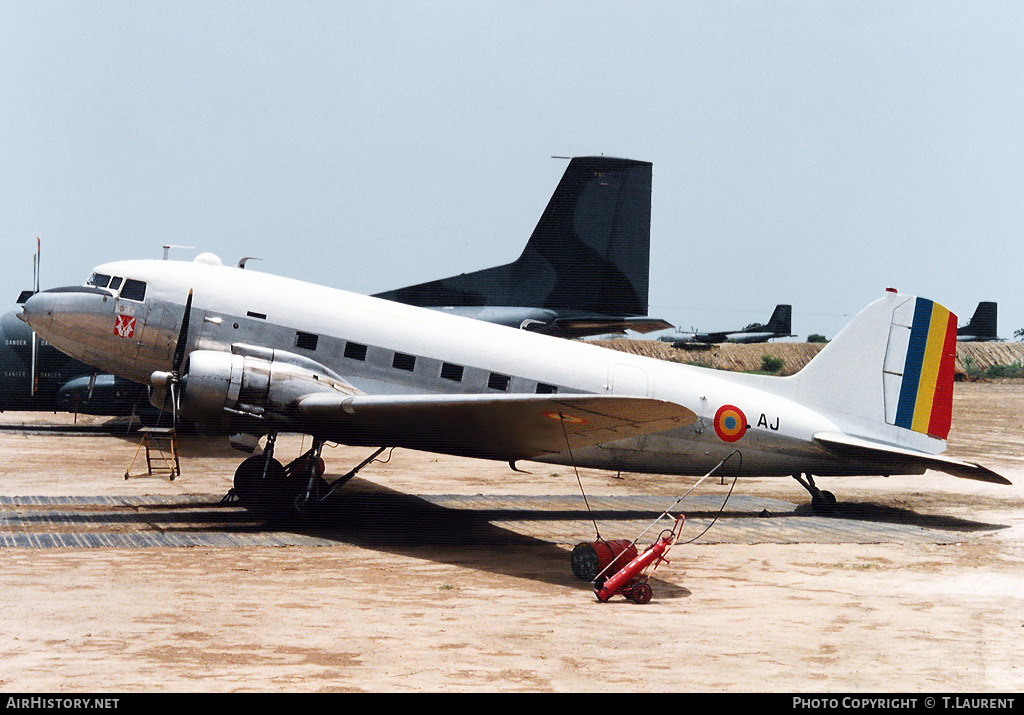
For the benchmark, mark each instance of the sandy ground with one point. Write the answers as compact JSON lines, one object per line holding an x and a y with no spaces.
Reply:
{"x":413,"y":604}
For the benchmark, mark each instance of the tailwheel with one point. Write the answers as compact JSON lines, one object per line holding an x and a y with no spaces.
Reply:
{"x":822,"y":502}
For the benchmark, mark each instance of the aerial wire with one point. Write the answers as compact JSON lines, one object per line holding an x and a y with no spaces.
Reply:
{"x":572,"y":460}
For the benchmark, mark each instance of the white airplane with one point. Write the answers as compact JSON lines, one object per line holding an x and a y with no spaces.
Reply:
{"x":252,"y":355}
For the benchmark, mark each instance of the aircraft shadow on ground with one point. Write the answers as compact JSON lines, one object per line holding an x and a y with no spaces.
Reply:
{"x":370,"y":516}
{"x":880,"y":513}
{"x":375,"y":517}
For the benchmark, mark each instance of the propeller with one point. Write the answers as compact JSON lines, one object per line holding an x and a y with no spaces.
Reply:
{"x":179,"y":348}
{"x":172,"y":379}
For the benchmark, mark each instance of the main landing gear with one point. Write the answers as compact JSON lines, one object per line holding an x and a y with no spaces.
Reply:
{"x":267,"y":487}
{"x":822,"y":502}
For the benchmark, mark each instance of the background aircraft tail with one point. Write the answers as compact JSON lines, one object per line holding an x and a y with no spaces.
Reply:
{"x":982,"y":325}
{"x":781,"y":322}
{"x":888,"y":375}
{"x":589,"y":252}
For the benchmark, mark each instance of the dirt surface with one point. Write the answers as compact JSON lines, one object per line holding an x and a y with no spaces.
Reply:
{"x":404,"y":600}
{"x":971,"y":358}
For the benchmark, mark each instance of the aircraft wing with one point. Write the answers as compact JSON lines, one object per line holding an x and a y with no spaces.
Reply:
{"x":505,"y":427}
{"x":878,"y":452}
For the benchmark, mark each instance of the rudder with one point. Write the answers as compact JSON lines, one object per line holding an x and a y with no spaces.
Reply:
{"x":923,"y":339}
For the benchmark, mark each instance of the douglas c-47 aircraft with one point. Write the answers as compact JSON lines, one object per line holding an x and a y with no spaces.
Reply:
{"x":584,"y":271}
{"x":251,"y":354}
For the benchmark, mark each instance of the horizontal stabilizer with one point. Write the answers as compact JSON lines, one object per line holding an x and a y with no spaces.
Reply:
{"x":505,"y":427}
{"x":580,"y":327}
{"x":878,"y":452}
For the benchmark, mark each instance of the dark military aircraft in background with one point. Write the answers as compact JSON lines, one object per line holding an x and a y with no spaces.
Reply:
{"x":53,"y":382}
{"x":982,"y":325}
{"x":584,"y":271}
{"x":780,"y":325}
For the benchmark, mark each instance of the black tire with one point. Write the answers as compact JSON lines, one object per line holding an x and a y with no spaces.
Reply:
{"x":642,"y":593}
{"x":823,"y":503}
{"x":258,"y":483}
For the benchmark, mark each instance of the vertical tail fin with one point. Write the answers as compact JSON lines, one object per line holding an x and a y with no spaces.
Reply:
{"x":982,"y":325}
{"x":589,"y":252}
{"x":889,"y":373}
{"x":781,"y":321}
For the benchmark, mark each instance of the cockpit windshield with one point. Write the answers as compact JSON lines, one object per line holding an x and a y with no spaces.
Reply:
{"x":100,"y":280}
{"x":133,"y":290}
{"x":130,"y":290}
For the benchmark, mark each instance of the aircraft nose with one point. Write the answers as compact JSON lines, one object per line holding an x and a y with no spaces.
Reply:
{"x":37,"y":310}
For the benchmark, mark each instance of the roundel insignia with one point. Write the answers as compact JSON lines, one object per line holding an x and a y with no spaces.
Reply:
{"x":730,"y":423}
{"x":566,"y":418}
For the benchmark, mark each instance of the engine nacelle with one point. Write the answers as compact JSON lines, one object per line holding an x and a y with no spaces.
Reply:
{"x":250,"y":381}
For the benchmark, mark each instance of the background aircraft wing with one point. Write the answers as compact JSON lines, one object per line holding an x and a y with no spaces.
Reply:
{"x":878,"y":452}
{"x":505,"y":427}
{"x":580,"y":327}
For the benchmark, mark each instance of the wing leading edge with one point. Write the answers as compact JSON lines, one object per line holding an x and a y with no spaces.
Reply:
{"x":504,"y":427}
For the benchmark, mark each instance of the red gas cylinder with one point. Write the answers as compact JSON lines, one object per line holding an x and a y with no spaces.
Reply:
{"x":592,"y":558}
{"x":630,"y":580}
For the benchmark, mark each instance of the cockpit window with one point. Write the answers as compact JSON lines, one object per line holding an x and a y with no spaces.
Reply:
{"x":133,"y":290}
{"x":100,"y":280}
{"x":115,"y":282}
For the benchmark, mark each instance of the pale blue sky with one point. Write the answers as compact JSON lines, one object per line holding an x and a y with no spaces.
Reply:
{"x":811,"y":152}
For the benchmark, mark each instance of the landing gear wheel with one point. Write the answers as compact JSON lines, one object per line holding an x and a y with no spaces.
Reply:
{"x":305,"y":485}
{"x":248,"y":476}
{"x":642,"y":593}
{"x":823,"y":503}
{"x":256,"y":481}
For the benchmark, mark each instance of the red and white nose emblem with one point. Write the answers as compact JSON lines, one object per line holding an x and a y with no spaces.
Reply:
{"x":124,"y":326}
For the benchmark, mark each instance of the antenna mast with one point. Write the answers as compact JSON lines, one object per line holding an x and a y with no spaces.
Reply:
{"x":35,"y":340}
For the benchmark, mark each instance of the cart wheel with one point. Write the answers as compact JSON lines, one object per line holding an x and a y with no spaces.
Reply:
{"x":642,"y":593}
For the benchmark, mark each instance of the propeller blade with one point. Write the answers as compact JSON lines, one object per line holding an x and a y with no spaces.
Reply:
{"x":179,"y":348}
{"x":174,"y":406}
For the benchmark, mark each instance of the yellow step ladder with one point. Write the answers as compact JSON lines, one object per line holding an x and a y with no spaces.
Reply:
{"x":161,"y":445}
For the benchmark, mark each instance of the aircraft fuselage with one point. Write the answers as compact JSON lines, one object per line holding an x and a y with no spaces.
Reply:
{"x":385,"y":348}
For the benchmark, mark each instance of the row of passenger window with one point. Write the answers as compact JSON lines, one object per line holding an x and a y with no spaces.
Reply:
{"x":406,"y":362}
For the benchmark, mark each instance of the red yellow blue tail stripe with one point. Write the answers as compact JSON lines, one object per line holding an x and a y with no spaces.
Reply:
{"x":926,"y":395}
